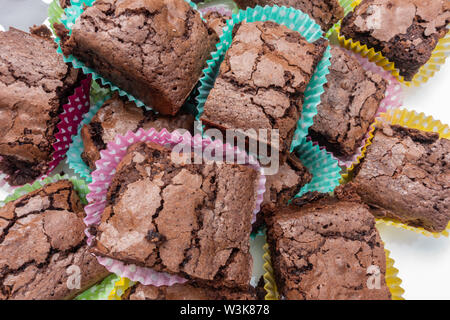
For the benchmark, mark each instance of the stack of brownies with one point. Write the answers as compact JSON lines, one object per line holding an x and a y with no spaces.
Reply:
{"x":193,"y":220}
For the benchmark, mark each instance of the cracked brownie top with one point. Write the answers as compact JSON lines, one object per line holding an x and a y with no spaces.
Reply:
{"x":405,"y":175}
{"x":405,"y":31}
{"x":216,"y":21}
{"x":154,"y":50}
{"x":193,"y":220}
{"x":261,"y":82}
{"x":325,"y":249}
{"x":348,"y":106}
{"x":187,"y":291}
{"x":34,"y":85}
{"x":118,"y":117}
{"x":41,"y":237}
{"x":325,"y":12}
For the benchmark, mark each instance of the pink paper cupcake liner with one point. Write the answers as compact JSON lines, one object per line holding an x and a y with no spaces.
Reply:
{"x":393,"y":99}
{"x":70,"y":118}
{"x":106,"y":168}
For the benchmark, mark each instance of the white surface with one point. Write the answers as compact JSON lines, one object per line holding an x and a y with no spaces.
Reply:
{"x":424,"y":263}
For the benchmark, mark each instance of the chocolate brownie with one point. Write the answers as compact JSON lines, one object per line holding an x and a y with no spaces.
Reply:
{"x":326,"y":250}
{"x":348,"y":106}
{"x":155,"y":50}
{"x":261,"y":83}
{"x":194,"y":221}
{"x":34,"y":85}
{"x":404,"y":31}
{"x":405,"y":175}
{"x":43,"y":250}
{"x":118,"y":117}
{"x":216,"y":21}
{"x":325,"y":12}
{"x":187,"y":291}
{"x":64,"y":3}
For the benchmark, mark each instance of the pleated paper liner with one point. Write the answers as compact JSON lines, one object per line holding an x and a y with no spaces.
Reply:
{"x":391,"y":277}
{"x":294,"y":20}
{"x":74,"y":160}
{"x":224,"y":7}
{"x":393,"y":99}
{"x":104,"y":173}
{"x":96,"y":292}
{"x":410,"y":119}
{"x":78,"y":104}
{"x":69,"y":18}
{"x":348,"y":6}
{"x":427,"y":71}
{"x":121,"y":285}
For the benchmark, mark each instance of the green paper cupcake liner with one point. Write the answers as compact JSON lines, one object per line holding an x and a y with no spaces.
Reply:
{"x":218,"y":5}
{"x":293,"y":19}
{"x":76,"y":148}
{"x":322,"y":165}
{"x":68,"y":19}
{"x":99,"y":291}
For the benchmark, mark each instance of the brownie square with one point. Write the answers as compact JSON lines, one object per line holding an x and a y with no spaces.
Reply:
{"x":216,"y":21}
{"x":154,"y":50}
{"x":118,"y":117}
{"x":348,"y":106}
{"x":323,"y":250}
{"x":261,"y":83}
{"x":404,"y":31}
{"x":325,"y":12}
{"x":187,"y":291}
{"x":194,"y":220}
{"x":43,"y":246}
{"x":34,"y":85}
{"x":405,"y":175}
{"x":64,"y":3}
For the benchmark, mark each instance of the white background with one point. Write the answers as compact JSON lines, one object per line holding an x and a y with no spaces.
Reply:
{"x":424,"y":263}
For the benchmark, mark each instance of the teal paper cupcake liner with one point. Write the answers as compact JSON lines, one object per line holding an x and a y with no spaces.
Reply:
{"x":99,"y":291}
{"x":68,"y":19}
{"x":76,"y":148}
{"x":293,"y":19}
{"x":322,"y":165}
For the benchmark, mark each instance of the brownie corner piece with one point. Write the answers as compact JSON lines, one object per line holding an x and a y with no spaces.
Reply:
{"x":160,"y":48}
{"x":325,"y":12}
{"x":31,"y":97}
{"x":406,"y":32}
{"x":405,"y":176}
{"x":43,"y":244}
{"x":194,"y":221}
{"x":261,"y":83}
{"x":324,"y":250}
{"x":348,"y":106}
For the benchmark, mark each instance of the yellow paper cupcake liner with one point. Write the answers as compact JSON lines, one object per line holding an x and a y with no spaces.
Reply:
{"x":122,"y":285}
{"x":410,"y":119}
{"x":392,"y":280}
{"x":426,"y":72}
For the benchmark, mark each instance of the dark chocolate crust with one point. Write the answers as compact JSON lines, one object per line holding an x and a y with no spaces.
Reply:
{"x":261,"y":83}
{"x":404,"y":31}
{"x":325,"y":12}
{"x":187,"y":291}
{"x":348,"y":106}
{"x":194,"y":221}
{"x":216,"y":21}
{"x":41,"y":238}
{"x":34,"y":84}
{"x":118,"y":117}
{"x":405,"y":175}
{"x":154,"y":50}
{"x":323,"y":250}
